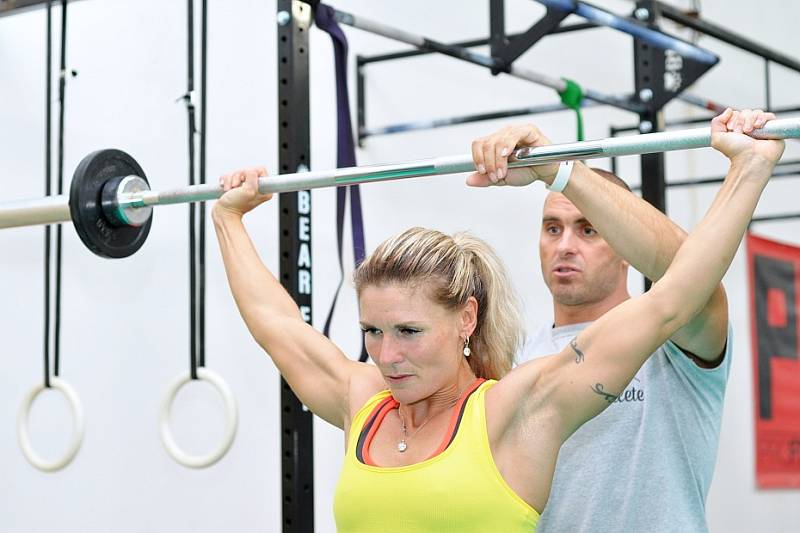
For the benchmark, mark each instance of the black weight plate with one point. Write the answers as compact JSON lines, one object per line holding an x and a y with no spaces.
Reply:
{"x":96,"y":231}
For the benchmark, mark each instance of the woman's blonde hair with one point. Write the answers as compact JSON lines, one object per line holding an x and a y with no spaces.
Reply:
{"x":454,"y":268}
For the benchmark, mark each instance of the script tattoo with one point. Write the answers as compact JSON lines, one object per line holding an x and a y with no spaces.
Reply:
{"x":579,"y":357}
{"x":598,"y":388}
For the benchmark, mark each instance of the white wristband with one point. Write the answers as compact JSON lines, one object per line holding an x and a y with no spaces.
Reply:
{"x":562,"y":177}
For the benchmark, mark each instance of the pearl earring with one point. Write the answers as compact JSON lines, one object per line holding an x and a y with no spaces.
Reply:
{"x":467,"y":351}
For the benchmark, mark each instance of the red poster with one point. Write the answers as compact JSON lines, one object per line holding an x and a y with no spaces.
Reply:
{"x":774,"y":289}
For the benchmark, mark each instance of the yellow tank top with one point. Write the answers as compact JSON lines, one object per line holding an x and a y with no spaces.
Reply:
{"x":458,"y":489}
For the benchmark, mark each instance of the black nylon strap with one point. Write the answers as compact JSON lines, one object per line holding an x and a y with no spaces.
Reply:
{"x":345,"y":157}
{"x":62,"y":84}
{"x":48,"y":186}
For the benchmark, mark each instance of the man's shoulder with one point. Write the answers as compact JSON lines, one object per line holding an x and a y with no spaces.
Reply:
{"x":545,"y":339}
{"x":537,"y":344}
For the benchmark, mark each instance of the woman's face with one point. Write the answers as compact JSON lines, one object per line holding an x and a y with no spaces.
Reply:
{"x":415,"y":342}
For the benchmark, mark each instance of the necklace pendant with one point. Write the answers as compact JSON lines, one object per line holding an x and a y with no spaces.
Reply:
{"x":402,"y":446}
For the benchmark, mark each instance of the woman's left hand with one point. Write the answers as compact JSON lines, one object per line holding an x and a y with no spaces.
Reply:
{"x":730,"y":134}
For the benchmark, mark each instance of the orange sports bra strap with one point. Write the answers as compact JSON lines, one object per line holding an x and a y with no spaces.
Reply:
{"x":455,"y":419}
{"x":371,"y":427}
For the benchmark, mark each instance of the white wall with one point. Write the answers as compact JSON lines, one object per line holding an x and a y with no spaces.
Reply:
{"x":125,"y":323}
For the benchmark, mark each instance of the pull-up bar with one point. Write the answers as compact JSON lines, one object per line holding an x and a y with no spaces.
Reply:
{"x":558,"y":84}
{"x":634,"y":28}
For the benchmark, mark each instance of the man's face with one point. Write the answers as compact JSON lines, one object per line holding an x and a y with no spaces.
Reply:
{"x":578,"y":266}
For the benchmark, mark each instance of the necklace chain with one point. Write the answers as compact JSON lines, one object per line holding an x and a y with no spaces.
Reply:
{"x":402,"y":444}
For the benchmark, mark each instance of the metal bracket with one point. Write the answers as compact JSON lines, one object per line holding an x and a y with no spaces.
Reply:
{"x":505,"y":50}
{"x":661,"y":74}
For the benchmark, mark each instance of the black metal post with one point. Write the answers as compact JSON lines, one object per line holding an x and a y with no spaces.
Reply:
{"x":297,"y":451}
{"x":767,"y":89}
{"x":648,"y":63}
{"x":614,"y":164}
{"x":497,"y":30}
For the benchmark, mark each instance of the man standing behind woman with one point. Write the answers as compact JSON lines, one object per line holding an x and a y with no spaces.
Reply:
{"x":645,"y":463}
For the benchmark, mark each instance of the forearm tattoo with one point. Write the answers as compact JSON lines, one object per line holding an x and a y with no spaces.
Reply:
{"x":598,"y":388}
{"x":579,"y":357}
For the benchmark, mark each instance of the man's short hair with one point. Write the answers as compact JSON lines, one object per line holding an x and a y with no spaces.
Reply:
{"x":613,"y":178}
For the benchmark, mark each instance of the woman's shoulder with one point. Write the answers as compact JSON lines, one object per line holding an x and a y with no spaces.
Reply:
{"x":365,"y":385}
{"x":519,"y":391}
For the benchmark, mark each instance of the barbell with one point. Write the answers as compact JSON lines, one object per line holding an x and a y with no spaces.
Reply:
{"x":110,"y":201}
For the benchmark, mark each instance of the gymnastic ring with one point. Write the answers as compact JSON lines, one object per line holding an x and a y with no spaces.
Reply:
{"x":198,"y":461}
{"x":77,"y":435}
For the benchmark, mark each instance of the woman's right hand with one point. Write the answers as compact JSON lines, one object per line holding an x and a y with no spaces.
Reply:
{"x":241,"y":191}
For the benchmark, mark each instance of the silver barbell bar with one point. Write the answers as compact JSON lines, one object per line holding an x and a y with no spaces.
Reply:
{"x":55,"y":209}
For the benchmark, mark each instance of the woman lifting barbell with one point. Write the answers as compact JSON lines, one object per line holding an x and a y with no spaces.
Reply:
{"x":441,"y":433}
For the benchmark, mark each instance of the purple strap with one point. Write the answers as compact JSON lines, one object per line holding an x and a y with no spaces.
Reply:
{"x":345,"y":155}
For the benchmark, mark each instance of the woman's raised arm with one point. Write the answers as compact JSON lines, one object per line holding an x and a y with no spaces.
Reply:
{"x":317,"y":371}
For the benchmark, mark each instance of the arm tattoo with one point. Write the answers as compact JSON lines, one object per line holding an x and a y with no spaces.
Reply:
{"x":579,"y":357}
{"x":598,"y":388}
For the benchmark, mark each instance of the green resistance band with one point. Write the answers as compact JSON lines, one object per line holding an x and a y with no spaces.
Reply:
{"x":572,"y":97}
